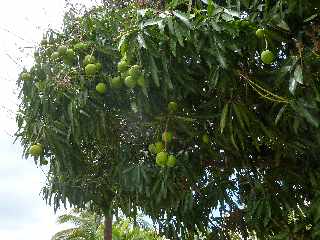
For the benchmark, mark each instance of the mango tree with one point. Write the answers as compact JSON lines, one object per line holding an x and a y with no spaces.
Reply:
{"x":203,"y":116}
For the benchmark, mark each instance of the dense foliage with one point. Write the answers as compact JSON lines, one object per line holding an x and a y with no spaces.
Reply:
{"x":89,"y":226}
{"x":240,"y":110}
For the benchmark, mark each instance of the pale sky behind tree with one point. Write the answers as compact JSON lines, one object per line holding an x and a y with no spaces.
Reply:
{"x":23,"y":212}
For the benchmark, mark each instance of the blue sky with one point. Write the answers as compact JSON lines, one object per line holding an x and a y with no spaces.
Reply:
{"x":23,"y":213}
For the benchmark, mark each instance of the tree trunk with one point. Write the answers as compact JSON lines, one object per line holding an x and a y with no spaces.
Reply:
{"x":108,"y":227}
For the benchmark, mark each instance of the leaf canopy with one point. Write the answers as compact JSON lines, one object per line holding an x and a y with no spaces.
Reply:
{"x":259,"y":170}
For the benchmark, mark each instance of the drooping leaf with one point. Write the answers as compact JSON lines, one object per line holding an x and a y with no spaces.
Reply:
{"x":183,"y":17}
{"x":223,"y":118}
{"x":141,"y":41}
{"x":280,"y":113}
{"x":298,"y":74}
{"x":154,"y":71}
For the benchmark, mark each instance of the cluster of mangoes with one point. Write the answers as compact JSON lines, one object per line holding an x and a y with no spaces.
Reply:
{"x":159,"y":148}
{"x":66,"y":54}
{"x":133,"y":75}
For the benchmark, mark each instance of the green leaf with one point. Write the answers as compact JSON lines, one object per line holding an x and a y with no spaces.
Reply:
{"x":296,"y":78}
{"x":154,"y":71}
{"x":223,"y":118}
{"x":170,"y":26}
{"x":314,"y":121}
{"x":173,"y":46}
{"x":279,"y":115}
{"x":141,"y":41}
{"x":123,"y":41}
{"x":308,"y":116}
{"x":70,"y":112}
{"x":284,"y":25}
{"x":222,"y":60}
{"x":267,"y":216}
{"x":151,"y":22}
{"x":245,"y":114}
{"x":317,"y":214}
{"x":246,"y":3}
{"x":233,"y":141}
{"x":298,"y":74}
{"x":238,"y":114}
{"x":311,"y":18}
{"x":210,"y":7}
{"x":296,"y":124}
{"x":183,"y":17}
{"x":293,"y":85}
{"x":215,"y":26}
{"x":178,"y":33}
{"x":145,"y":91}
{"x":166,"y":71}
{"x":214,"y":76}
{"x":230,"y":14}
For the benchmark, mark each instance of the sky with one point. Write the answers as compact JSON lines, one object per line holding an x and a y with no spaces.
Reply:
{"x":23,"y":212}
